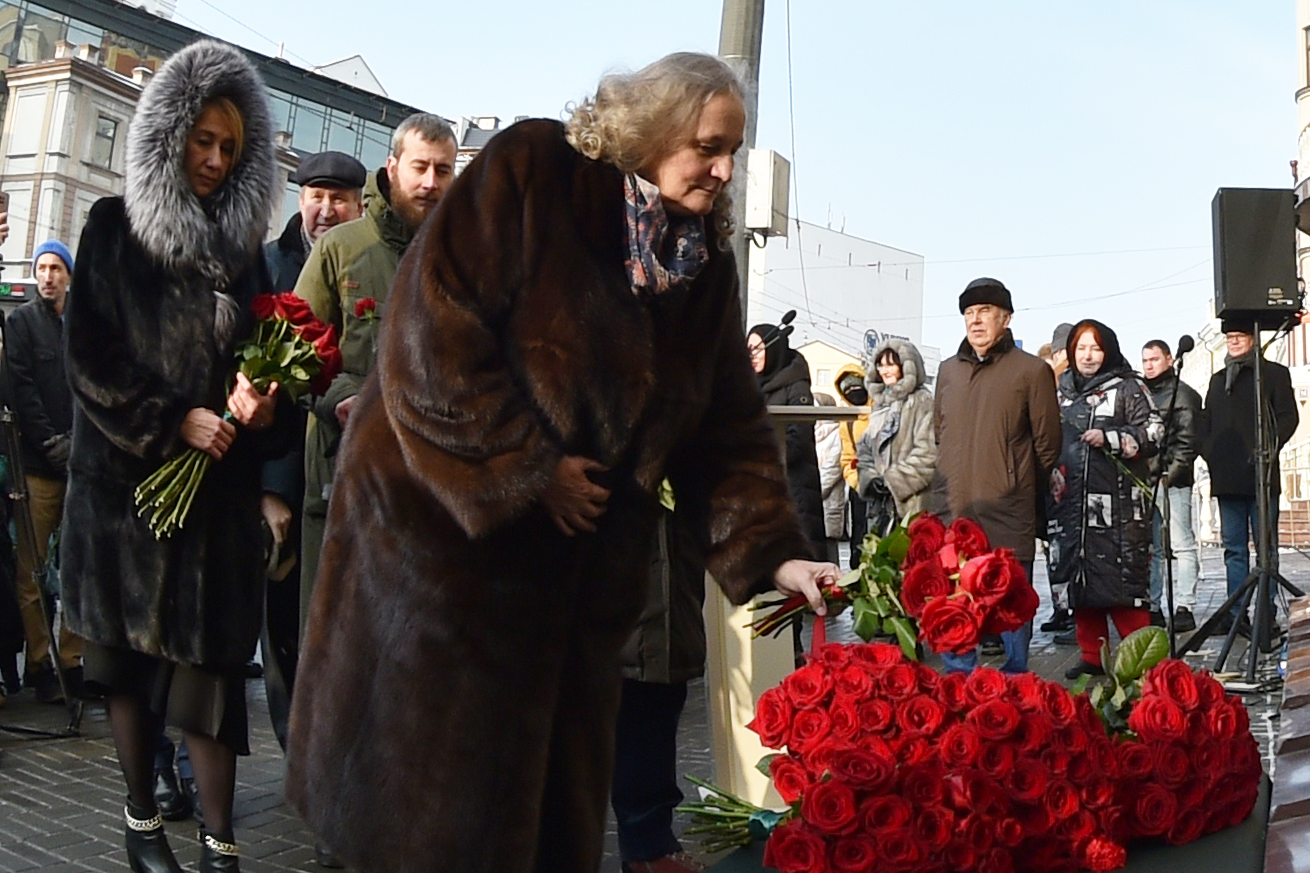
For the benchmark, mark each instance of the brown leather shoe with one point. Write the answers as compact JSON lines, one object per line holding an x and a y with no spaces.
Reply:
{"x":679,"y":862}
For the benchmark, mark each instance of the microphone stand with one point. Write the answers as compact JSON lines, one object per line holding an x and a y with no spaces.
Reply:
{"x":1166,"y":510}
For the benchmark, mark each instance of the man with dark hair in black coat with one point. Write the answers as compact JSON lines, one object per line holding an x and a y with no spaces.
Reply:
{"x":42,"y":402}
{"x":1228,"y":446}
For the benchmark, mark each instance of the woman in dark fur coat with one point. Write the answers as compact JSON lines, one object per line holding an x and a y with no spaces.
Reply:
{"x":563,"y":333}
{"x":164,"y":280}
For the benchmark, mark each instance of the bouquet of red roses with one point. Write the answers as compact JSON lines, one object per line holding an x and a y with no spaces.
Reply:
{"x":888,"y":765}
{"x":958,"y":588}
{"x":288,"y":346}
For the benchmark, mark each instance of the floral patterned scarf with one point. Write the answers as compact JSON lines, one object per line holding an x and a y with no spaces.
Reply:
{"x":663,"y":252}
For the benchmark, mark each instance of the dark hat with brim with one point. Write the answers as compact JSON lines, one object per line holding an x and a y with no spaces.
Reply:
{"x":1238,"y":324}
{"x":986,"y":291}
{"x":1060,"y":338}
{"x":330,"y":170}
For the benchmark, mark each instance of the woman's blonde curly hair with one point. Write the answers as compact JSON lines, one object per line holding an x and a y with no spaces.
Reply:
{"x":635,"y":119}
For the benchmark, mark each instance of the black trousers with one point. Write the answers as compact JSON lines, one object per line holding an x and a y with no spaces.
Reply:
{"x":645,"y":788}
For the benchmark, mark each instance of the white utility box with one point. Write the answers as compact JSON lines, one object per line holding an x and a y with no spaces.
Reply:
{"x":768,"y":178}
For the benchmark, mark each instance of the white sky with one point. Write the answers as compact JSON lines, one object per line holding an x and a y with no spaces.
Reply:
{"x":994,"y":138}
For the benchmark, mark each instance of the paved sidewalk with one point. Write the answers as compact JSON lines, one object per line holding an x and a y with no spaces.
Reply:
{"x":61,"y":799}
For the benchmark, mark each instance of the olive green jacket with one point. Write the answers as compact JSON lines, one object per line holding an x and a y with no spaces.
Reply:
{"x":352,"y":262}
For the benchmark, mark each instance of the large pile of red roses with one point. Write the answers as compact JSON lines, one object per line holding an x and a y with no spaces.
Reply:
{"x":959,"y":588}
{"x":891,"y":766}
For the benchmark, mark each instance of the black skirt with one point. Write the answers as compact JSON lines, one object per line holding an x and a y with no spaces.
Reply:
{"x":196,"y":699}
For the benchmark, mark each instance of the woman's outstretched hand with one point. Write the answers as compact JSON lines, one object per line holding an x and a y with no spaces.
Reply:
{"x":252,"y":409}
{"x":798,"y":576}
{"x":571,"y":499}
{"x":203,"y":430}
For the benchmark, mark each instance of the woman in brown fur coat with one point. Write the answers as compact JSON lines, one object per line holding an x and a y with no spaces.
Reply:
{"x":563,"y":334}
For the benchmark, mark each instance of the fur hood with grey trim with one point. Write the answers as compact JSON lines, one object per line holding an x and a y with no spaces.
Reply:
{"x":911,"y":372}
{"x":216,"y":237}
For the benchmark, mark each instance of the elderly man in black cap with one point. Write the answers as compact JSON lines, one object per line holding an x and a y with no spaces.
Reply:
{"x":1228,"y":446}
{"x":331,"y":192}
{"x":998,"y":436}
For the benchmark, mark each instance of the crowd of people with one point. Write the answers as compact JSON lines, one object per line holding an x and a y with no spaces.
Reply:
{"x":546,"y":394}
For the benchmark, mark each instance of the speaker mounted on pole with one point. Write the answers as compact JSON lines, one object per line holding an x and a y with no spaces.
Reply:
{"x":1255,"y":255}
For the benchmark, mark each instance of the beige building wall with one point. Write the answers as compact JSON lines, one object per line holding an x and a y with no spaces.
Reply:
{"x":825,"y":361}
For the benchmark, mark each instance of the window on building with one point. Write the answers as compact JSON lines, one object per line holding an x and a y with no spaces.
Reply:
{"x":343,"y":133}
{"x":41,"y":30}
{"x":102,"y":145}
{"x":281,"y":108}
{"x":8,"y":27}
{"x":307,"y":127}
{"x":375,"y":146}
{"x":1307,"y":57}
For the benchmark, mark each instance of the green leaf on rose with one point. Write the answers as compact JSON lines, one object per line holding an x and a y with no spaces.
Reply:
{"x":762,"y":822}
{"x":1081,"y":685}
{"x":763,"y":763}
{"x":895,"y":546}
{"x":905,"y":635}
{"x":1139,"y":652}
{"x":849,"y":579}
{"x":865,"y":619}
{"x":299,"y":372}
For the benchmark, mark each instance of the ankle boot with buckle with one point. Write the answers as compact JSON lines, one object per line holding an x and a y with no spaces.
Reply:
{"x":217,"y":856}
{"x":147,"y":844}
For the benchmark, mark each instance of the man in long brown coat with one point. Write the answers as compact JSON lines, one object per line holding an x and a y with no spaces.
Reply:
{"x":998,"y":436}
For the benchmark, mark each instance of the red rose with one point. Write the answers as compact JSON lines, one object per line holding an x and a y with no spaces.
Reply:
{"x":986,"y":684}
{"x":795,"y":847}
{"x":853,"y":681}
{"x":901,"y":848}
{"x":789,"y":777}
{"x":1154,"y":810}
{"x":834,"y":656}
{"x":1060,"y":705}
{"x":1055,"y":758}
{"x":1195,"y":792}
{"x":1135,"y":761}
{"x":921,"y":784}
{"x":1028,"y":780}
{"x":921,"y":583}
{"x":995,"y":861}
{"x":900,"y":682}
{"x":884,"y":812}
{"x":927,"y":529}
{"x":311,"y":330}
{"x":968,"y":538}
{"x":830,"y":807}
{"x":877,"y":715}
{"x":262,"y":307}
{"x":878,"y":654}
{"x":960,"y":745}
{"x":808,"y":687}
{"x":808,"y":727}
{"x":1097,"y":792}
{"x":970,"y":791}
{"x":1033,"y":733}
{"x":997,"y":760}
{"x":1101,"y":855}
{"x":845,"y":715}
{"x":914,"y":750}
{"x":1009,"y":832}
{"x":1016,"y":609}
{"x":959,"y":855}
{"x":329,"y":356}
{"x":1101,"y":752}
{"x":951,"y":692}
{"x":365,"y":306}
{"x":295,"y":310}
{"x":1080,"y":767}
{"x":1087,"y":716}
{"x":979,"y":832}
{"x":1240,"y":714}
{"x":920,"y":715}
{"x":1175,"y":680}
{"x":995,"y":719}
{"x":1170,"y":763}
{"x":854,"y":854}
{"x":1073,"y":738}
{"x":1061,"y":799}
{"x":1159,"y":718}
{"x":934,"y":826}
{"x":773,"y":714}
{"x":817,"y":757}
{"x":949,"y":559}
{"x":1188,"y":827}
{"x":1026,"y":691}
{"x":1077,"y":827}
{"x":862,"y":769}
{"x":990,"y":577}
{"x":1034,"y":817}
{"x":950,"y":624}
{"x":1209,"y":691}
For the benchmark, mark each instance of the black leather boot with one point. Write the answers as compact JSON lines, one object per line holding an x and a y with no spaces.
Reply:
{"x":217,"y":856}
{"x":147,"y":844}
{"x":174,"y":804}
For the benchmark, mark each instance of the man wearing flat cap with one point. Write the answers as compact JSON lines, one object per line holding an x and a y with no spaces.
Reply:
{"x":331,"y":192}
{"x":998,"y":437}
{"x":1228,"y":446}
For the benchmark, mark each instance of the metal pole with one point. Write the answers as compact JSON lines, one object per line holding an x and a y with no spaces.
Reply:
{"x":740,"y":36}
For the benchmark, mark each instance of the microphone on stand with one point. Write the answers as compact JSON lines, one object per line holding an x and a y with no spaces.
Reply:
{"x":1185,"y":345}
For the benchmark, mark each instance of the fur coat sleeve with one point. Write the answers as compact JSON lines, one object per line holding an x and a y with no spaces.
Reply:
{"x":134,"y":406}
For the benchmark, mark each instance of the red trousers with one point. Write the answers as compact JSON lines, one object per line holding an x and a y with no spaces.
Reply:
{"x":1090,"y":627}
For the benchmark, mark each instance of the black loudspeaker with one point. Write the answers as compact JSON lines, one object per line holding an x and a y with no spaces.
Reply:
{"x":1255,"y":255}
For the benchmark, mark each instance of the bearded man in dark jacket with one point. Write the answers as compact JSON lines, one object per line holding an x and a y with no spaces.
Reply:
{"x":38,"y":392}
{"x":1179,"y":406}
{"x":998,"y":436}
{"x":1228,"y":446}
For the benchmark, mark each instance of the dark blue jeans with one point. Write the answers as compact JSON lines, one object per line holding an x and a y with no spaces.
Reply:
{"x":645,"y":788}
{"x":1016,"y":646}
{"x":164,"y":757}
{"x":1237,"y":528}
